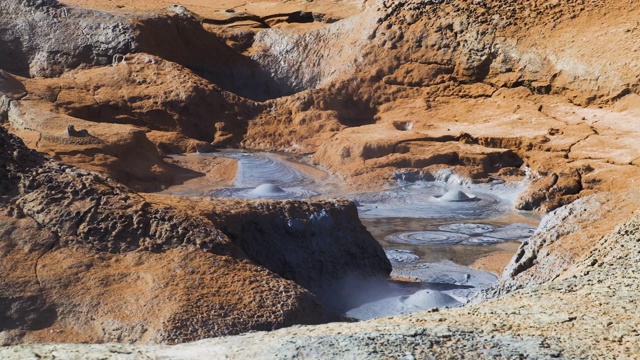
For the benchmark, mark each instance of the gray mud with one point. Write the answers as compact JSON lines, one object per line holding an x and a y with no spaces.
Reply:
{"x":427,"y":200}
{"x":440,"y":285}
{"x":429,"y":229}
{"x":264,"y":191}
{"x":257,"y":169}
{"x":263,"y":176}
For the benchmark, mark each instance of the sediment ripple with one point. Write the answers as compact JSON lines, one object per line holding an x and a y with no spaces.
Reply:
{"x":255,"y":170}
{"x":427,"y":238}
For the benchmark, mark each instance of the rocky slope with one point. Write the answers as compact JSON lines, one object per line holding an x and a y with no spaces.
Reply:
{"x":416,"y":85}
{"x":27,"y":38}
{"x":443,"y":84}
{"x":316,"y":244}
{"x":85,"y":259}
{"x":586,"y":312}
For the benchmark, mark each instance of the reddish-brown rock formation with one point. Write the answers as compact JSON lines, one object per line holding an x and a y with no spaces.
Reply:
{"x":85,"y":259}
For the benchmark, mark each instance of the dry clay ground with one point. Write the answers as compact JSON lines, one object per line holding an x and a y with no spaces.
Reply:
{"x":480,"y":87}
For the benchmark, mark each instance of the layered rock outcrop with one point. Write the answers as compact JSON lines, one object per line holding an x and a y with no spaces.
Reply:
{"x":146,"y":91}
{"x":290,"y":237}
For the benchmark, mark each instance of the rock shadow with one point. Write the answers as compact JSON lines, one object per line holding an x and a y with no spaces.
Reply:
{"x":12,"y":56}
{"x":182,"y":39}
{"x":26,"y":313}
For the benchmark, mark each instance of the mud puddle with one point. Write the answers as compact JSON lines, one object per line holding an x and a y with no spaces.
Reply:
{"x":432,"y":231}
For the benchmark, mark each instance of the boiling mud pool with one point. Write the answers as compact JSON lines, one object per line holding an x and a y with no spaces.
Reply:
{"x":431,"y":231}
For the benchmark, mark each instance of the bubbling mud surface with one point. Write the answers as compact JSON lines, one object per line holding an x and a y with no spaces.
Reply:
{"x":466,"y":234}
{"x":516,"y":231}
{"x":476,"y":245}
{"x":468,"y":228}
{"x":258,"y":176}
{"x":429,"y":229}
{"x":403,"y":304}
{"x":427,"y":238}
{"x":434,"y":200}
{"x":441,"y":285}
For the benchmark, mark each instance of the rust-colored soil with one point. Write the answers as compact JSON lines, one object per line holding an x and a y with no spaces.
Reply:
{"x":219,"y":9}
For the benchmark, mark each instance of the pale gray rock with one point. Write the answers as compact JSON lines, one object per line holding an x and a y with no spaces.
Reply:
{"x":45,"y":38}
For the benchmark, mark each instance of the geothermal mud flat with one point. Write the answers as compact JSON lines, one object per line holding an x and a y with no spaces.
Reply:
{"x":423,"y":226}
{"x":394,"y":103}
